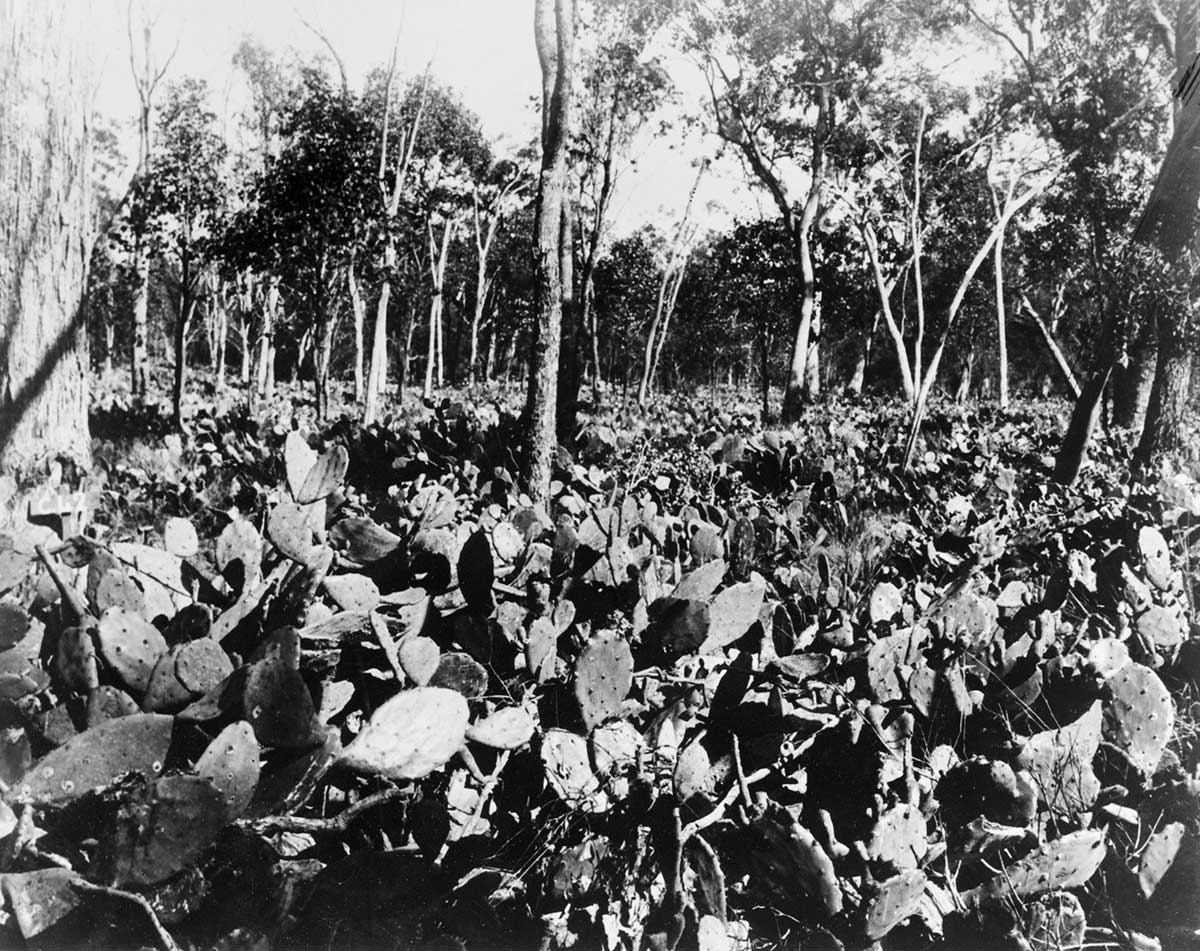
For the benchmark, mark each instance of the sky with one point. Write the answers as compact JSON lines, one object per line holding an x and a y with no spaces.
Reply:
{"x":483,"y":48}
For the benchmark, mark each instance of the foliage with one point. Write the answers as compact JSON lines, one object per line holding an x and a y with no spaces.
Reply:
{"x":734,"y":677}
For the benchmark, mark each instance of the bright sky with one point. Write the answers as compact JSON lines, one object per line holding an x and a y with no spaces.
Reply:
{"x":483,"y":48}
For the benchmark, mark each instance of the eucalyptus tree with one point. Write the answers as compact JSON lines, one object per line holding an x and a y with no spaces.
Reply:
{"x":46,"y":85}
{"x":184,"y":198}
{"x":781,"y":74}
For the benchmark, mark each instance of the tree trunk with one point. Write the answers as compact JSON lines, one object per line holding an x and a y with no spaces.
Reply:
{"x":377,"y":375}
{"x":1001,"y":318}
{"x":140,"y":352}
{"x":359,"y":308}
{"x":187,"y":307}
{"x":1133,"y":382}
{"x":555,"y":35}
{"x":110,"y":333}
{"x":45,"y":241}
{"x":812,"y":366}
{"x":222,"y":335}
{"x":567,"y":401}
{"x":1163,"y":432}
{"x":244,"y":337}
{"x":858,"y":379}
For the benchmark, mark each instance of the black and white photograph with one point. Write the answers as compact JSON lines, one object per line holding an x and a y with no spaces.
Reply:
{"x":600,"y":475}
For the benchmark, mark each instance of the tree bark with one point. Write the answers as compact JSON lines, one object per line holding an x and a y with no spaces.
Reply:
{"x":1001,"y":318}
{"x":1133,"y":382}
{"x":554,"y":29}
{"x":45,"y":238}
{"x":359,"y":307}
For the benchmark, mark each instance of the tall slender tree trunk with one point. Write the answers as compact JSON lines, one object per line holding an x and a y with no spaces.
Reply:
{"x":377,"y":375}
{"x":554,"y":31}
{"x":567,"y":400}
{"x":222,"y":336}
{"x":1001,"y":318}
{"x":244,"y":338}
{"x":187,"y":309}
{"x":140,"y":350}
{"x":45,"y":237}
{"x":359,"y":308}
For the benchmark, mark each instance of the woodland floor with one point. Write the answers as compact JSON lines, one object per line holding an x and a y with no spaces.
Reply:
{"x":314,"y":686}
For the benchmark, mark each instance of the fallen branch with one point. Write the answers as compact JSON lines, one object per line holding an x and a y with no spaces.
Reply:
{"x":332,"y":825}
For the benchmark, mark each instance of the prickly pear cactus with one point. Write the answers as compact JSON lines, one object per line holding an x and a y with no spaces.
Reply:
{"x":231,"y":763}
{"x":883,"y":667}
{"x":1141,"y":715}
{"x":76,"y":660}
{"x":1158,"y":856}
{"x":899,"y":838}
{"x":136,"y":743}
{"x":130,"y":646}
{"x":1067,"y":862}
{"x":898,"y":898}
{"x":603,"y":676}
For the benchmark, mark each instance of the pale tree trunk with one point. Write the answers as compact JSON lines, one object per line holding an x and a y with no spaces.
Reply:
{"x":265,"y":373}
{"x":437,"y":273}
{"x":487,"y":220}
{"x":859,"y":377}
{"x":110,"y":334}
{"x":45,"y":238}
{"x":359,"y":307}
{"x":377,"y":375}
{"x":930,"y":375}
{"x":884,"y":290}
{"x":187,"y":309}
{"x":1052,"y":344}
{"x":390,"y":196}
{"x":243,"y":331}
{"x":812,"y":366}
{"x":668,"y":289}
{"x":146,"y":79}
{"x":410,"y":329}
{"x":1001,"y":319}
{"x":918,"y":250}
{"x":140,"y":351}
{"x":554,"y":26}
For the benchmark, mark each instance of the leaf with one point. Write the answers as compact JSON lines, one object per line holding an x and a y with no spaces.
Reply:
{"x":476,"y":573}
{"x":161,"y":829}
{"x":565,"y":757}
{"x":506,"y":729}
{"x":278,"y":705}
{"x":14,"y":625}
{"x":325,"y":476}
{"x":1159,"y":855}
{"x":353,"y":592}
{"x":363,"y":541}
{"x":731,"y":614}
{"x":419,"y":658}
{"x":95,"y":758}
{"x":180,"y":539}
{"x":698,"y":585}
{"x":298,"y":458}
{"x":290,"y":529}
{"x":231,"y":763}
{"x":240,"y":542}
{"x":460,"y":672}
{"x":40,"y":899}
{"x":130,"y":646}
{"x":886,"y":602}
{"x":411,"y":735}
{"x":201,"y":664}
{"x":1060,"y":762}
